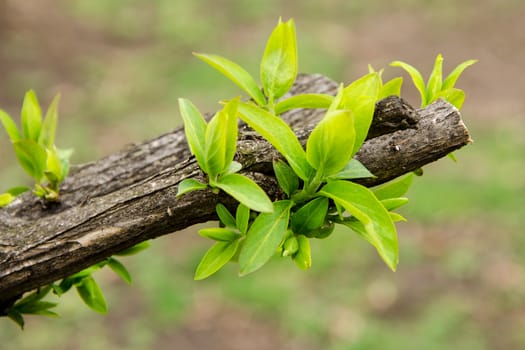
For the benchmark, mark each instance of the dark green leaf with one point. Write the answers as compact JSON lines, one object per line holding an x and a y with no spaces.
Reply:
{"x":189,"y":185}
{"x":242,"y":218}
{"x":377,"y":226}
{"x":16,"y":317}
{"x":119,"y":269}
{"x":32,"y":157}
{"x":288,"y":180}
{"x":354,"y":169}
{"x":219,"y":234}
{"x":280,"y":135}
{"x":395,"y":188}
{"x":37,"y":308}
{"x":279,"y":62}
{"x":137,"y":248}
{"x":90,"y":293}
{"x":215,"y":258}
{"x":195,"y":130}
{"x":235,"y":73}
{"x":245,"y":191}
{"x":31,"y":117}
{"x":264,"y":237}
{"x":303,"y":101}
{"x":303,"y":257}
{"x":17,"y":190}
{"x":310,"y":216}
{"x":9,"y":126}
{"x":225,"y":216}
{"x":47,"y":134}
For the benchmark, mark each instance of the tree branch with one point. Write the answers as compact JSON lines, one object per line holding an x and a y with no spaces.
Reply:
{"x":129,"y":197}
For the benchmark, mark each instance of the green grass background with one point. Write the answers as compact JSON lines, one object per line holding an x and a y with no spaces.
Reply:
{"x":121,"y":65}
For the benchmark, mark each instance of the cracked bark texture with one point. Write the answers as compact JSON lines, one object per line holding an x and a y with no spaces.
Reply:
{"x":129,"y":197}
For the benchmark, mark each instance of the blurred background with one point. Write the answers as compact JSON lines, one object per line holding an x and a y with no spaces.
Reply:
{"x":120,"y":66}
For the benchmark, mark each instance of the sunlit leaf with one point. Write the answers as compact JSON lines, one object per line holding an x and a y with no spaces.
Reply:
{"x":9,"y":126}
{"x":303,"y":101}
{"x":395,"y":188}
{"x":242,"y":218}
{"x":31,"y":117}
{"x":189,"y":185}
{"x":6,"y":198}
{"x":452,"y":78}
{"x":391,"y":88}
{"x":245,"y":191}
{"x":435,"y":79}
{"x":417,"y":79}
{"x":263,"y":237}
{"x":303,"y":257}
{"x":215,"y":258}
{"x":195,"y":130}
{"x":394,"y":203}
{"x":219,"y":234}
{"x":287,"y":179}
{"x":454,"y":96}
{"x":279,"y":62}
{"x":137,"y":248}
{"x":354,"y":169}
{"x":47,"y":134}
{"x":32,"y":157}
{"x":235,"y":73}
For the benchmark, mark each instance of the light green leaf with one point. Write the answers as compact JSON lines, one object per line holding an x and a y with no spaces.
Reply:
{"x":303,"y":257}
{"x":417,"y":79}
{"x":454,"y":96}
{"x":435,"y":79}
{"x":245,"y":191}
{"x":354,"y":169}
{"x":91,"y":294}
{"x":279,"y":62}
{"x":391,"y":88}
{"x":235,"y":73}
{"x":329,"y":146}
{"x":195,"y":130}
{"x":119,"y":269}
{"x":215,"y":258}
{"x":394,"y":203}
{"x":31,"y":116}
{"x":53,"y":166}
{"x":264,"y":237}
{"x":395,"y":188}
{"x":6,"y":198}
{"x":137,"y":248}
{"x":219,"y":234}
{"x":64,"y":155}
{"x":32,"y":157}
{"x":290,"y":246}
{"x":189,"y":185}
{"x":242,"y":218}
{"x":17,"y":190}
{"x":9,"y":126}
{"x":233,"y":168}
{"x":221,"y":139}
{"x":338,"y":99}
{"x":377,"y":226}
{"x":396,"y":217}
{"x":279,"y":134}
{"x":47,"y":134}
{"x":452,"y":78}
{"x":303,"y":101}
{"x":287,"y":179}
{"x":225,"y":216}
{"x":310,"y":216}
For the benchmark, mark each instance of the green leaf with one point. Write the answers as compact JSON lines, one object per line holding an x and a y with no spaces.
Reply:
{"x":395,"y":188}
{"x":233,"y":168}
{"x":32,"y":157}
{"x":455,"y":97}
{"x":394,"y":203}
{"x":189,"y":185}
{"x":279,"y":62}
{"x":90,"y":293}
{"x":279,"y":134}
{"x":354,"y":169}
{"x":303,"y":257}
{"x":287,"y":179}
{"x":290,"y":246}
{"x":16,"y":317}
{"x":452,"y":78}
{"x":53,"y":166}
{"x":310,"y":216}
{"x":396,"y":217}
{"x":338,"y":99}
{"x":219,"y":234}
{"x":137,"y":248}
{"x":391,"y":88}
{"x":303,"y":101}
{"x":215,"y":258}
{"x":9,"y":126}
{"x":329,"y":146}
{"x":225,"y":216}
{"x":49,"y":126}
{"x":6,"y":198}
{"x":64,"y":155}
{"x":195,"y":130}
{"x":377,"y":226}
{"x":435,"y":79}
{"x":17,"y":190}
{"x":31,"y":116}
{"x":235,"y":73}
{"x":417,"y":79}
{"x":221,"y":139}
{"x":264,"y":237}
{"x":242,"y":218}
{"x":245,"y":191}
{"x":119,"y":269}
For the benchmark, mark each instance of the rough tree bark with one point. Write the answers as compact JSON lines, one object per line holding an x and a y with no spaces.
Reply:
{"x":129,"y":197}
